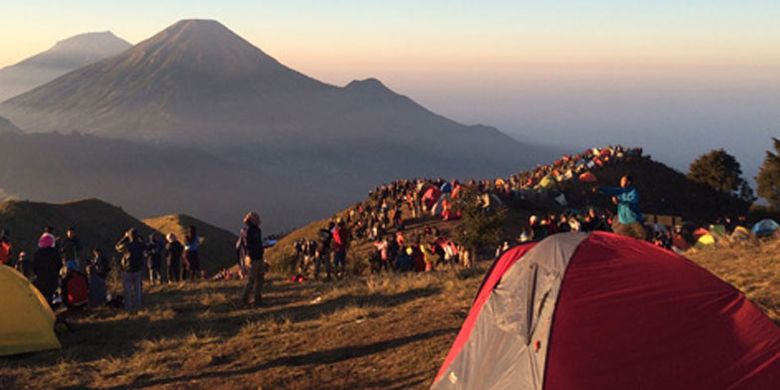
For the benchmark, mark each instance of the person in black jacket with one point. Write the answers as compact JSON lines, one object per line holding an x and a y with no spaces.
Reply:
{"x":251,"y":250}
{"x":154,"y":253}
{"x":97,"y":272}
{"x":46,"y":266}
{"x":173,"y":252}
{"x":132,"y":249}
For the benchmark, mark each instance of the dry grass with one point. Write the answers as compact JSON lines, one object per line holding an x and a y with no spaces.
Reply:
{"x":752,"y":267}
{"x":388,"y":332}
{"x":379,"y":332}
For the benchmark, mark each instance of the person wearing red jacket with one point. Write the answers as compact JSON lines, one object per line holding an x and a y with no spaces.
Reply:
{"x":340,"y":245}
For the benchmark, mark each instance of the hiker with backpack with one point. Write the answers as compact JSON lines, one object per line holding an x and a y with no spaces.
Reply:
{"x":173,"y":256}
{"x":132,"y":248}
{"x":46,"y":266}
{"x":626,"y":197}
{"x":252,"y":252}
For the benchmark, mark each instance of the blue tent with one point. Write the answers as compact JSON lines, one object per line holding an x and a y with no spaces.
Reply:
{"x":765,"y":227}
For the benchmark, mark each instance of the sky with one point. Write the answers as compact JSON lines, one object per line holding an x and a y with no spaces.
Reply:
{"x":677,"y":77}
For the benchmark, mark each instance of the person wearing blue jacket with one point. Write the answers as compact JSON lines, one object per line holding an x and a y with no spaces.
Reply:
{"x":626,"y":197}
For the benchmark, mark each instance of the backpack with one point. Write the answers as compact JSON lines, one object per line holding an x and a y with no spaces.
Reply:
{"x":76,"y":287}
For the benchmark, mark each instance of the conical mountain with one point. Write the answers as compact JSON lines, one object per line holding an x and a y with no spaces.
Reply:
{"x":199,"y":86}
{"x":65,"y":56}
{"x":194,"y":82}
{"x":199,"y":83}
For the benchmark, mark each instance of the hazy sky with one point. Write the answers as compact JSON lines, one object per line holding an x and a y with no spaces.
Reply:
{"x":678,"y":77}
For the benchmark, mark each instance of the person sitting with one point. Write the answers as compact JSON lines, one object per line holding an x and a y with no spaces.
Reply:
{"x":75,"y":291}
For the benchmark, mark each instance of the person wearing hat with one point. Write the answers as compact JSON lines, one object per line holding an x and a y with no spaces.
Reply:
{"x":132,"y":249}
{"x":251,"y":251}
{"x":46,"y":266}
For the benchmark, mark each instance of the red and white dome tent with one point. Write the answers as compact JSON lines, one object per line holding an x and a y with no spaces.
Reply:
{"x":601,"y":311}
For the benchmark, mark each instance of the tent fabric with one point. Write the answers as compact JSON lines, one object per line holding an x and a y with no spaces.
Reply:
{"x":765,"y":227}
{"x":516,"y":316}
{"x":719,"y":230}
{"x":628,"y":315}
{"x":706,"y":240}
{"x":546,"y":182}
{"x":588,"y":177}
{"x":700,"y":232}
{"x":26,"y":320}
{"x":740,"y":233}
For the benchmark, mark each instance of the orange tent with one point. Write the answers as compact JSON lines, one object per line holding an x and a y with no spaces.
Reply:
{"x":588,"y":177}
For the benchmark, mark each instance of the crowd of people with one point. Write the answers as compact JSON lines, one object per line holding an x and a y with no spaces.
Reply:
{"x":66,"y":273}
{"x":63,"y":273}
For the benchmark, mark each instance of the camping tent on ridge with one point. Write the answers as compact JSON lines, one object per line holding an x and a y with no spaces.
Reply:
{"x":765,"y":227}
{"x":26,"y":321}
{"x":602,"y":311}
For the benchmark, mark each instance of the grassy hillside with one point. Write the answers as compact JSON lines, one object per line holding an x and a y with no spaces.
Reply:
{"x":752,"y":267}
{"x":387,"y":332}
{"x":97,"y":223}
{"x":218,"y":250}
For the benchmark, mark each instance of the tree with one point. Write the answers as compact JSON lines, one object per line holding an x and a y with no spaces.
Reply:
{"x":480,"y":227}
{"x":769,"y":176}
{"x":721,"y":172}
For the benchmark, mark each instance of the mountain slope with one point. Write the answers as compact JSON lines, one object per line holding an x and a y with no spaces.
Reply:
{"x":7,"y":126}
{"x":98,"y":224}
{"x":218,"y":249}
{"x":65,"y":56}
{"x":152,"y":180}
{"x":199,"y":84}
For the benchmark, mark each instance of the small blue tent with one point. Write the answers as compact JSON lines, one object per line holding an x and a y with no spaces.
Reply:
{"x":765,"y":227}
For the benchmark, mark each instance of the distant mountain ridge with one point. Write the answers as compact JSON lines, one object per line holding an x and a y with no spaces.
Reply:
{"x":302,"y":146}
{"x":218,"y":249}
{"x":100,"y":225}
{"x":65,"y":56}
{"x":150,"y":180}
{"x":198,"y":83}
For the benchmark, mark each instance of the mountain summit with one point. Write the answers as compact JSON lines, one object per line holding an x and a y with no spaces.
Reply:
{"x":198,"y":85}
{"x":66,"y":55}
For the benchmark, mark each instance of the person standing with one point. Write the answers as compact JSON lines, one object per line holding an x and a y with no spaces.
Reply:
{"x":97,"y":272}
{"x":46,"y":266}
{"x":340,"y":245}
{"x":173,"y":253}
{"x":5,"y":248}
{"x":323,"y":250}
{"x":24,"y":266}
{"x":154,"y":252}
{"x":626,"y":197}
{"x":192,"y":252}
{"x":71,"y":248}
{"x":132,"y":249}
{"x":251,"y":249}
